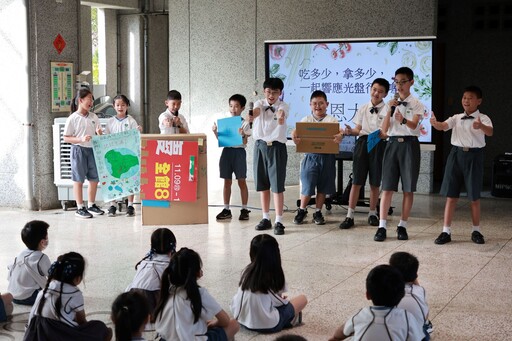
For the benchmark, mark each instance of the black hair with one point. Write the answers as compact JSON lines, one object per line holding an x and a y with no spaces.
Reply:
{"x":407,"y":264}
{"x":475,"y":90}
{"x":83,"y":92}
{"x":238,"y":98}
{"x":290,"y":337}
{"x":129,"y":313}
{"x":404,"y":70}
{"x":385,"y":286}
{"x":382,"y":82}
{"x":273,"y":84}
{"x":174,"y":95}
{"x":318,"y":93}
{"x":33,"y":232}
{"x":65,"y":269}
{"x":265,"y":272}
{"x":122,"y":98}
{"x":182,"y":271}
{"x":163,"y":241}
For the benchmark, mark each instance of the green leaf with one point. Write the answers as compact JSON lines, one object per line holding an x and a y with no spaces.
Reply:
{"x":274,"y":68}
{"x":393,"y":47}
{"x":382,"y":44}
{"x":281,"y":76}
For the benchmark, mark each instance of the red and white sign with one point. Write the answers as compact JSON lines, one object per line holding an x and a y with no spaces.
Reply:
{"x":171,"y":170}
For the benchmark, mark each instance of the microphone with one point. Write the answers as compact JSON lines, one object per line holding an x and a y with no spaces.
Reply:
{"x":251,"y":107}
{"x":397,"y":97}
{"x":175,"y":114}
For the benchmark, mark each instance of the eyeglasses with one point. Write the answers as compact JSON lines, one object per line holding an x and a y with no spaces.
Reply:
{"x":402,"y":82}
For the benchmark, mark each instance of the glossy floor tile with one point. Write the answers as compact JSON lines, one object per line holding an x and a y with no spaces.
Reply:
{"x":468,"y":285}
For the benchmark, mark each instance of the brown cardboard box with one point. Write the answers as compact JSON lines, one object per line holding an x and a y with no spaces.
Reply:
{"x":317,"y":137}
{"x":180,"y":213}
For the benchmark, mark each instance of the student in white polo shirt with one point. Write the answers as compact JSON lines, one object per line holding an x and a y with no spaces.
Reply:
{"x":465,"y":164}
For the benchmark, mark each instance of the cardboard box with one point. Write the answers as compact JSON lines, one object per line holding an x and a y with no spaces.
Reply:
{"x":177,"y":212}
{"x":317,"y":137}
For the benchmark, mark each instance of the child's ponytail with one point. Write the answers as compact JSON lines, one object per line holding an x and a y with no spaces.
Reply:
{"x":130,"y":311}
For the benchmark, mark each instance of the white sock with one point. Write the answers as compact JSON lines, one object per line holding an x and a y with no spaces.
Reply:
{"x":403,"y":223}
{"x":318,"y":210}
{"x":372,"y":212}
{"x":244,"y":207}
{"x":303,"y":208}
{"x":278,"y":218}
{"x":447,"y":229}
{"x":91,"y":203}
{"x":226,"y":206}
{"x":350,"y":213}
{"x":383,"y":223}
{"x":113,"y":203}
{"x":130,"y":203}
{"x":79,"y":206}
{"x":266,"y":215}
{"x":476,"y":228}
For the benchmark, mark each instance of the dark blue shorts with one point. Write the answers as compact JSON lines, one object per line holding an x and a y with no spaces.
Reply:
{"x":3,"y":313}
{"x":233,"y":160}
{"x":318,"y":171}
{"x":83,"y":164}
{"x":463,"y":167}
{"x":286,"y":315}
{"x":28,"y":301}
{"x":367,"y":163}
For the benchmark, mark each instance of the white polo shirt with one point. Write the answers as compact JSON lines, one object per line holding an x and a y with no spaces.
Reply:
{"x":28,"y":273}
{"x":149,"y":273}
{"x":266,"y":127}
{"x":369,"y":121}
{"x":171,"y":130}
{"x":117,"y":125}
{"x":413,"y":108}
{"x":78,"y":125}
{"x":463,"y":133}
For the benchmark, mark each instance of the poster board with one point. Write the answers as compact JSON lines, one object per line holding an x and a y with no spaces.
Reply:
{"x":173,"y":212}
{"x":62,"y":85}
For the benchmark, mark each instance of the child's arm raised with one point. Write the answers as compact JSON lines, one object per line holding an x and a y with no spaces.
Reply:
{"x":436,"y":124}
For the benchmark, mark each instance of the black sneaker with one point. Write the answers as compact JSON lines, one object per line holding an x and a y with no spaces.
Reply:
{"x":278,"y":229}
{"x":443,"y":238}
{"x":83,"y":213}
{"x":477,"y":237}
{"x":264,"y":224}
{"x":401,"y":233}
{"x":318,"y":218}
{"x":299,"y":218}
{"x":373,"y":220}
{"x":244,"y":214}
{"x":225,"y":214}
{"x":380,"y":236}
{"x":130,"y":211}
{"x":112,"y":211}
{"x":347,"y":223}
{"x":95,"y":210}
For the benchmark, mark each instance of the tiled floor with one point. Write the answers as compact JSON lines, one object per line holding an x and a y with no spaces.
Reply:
{"x":468,"y":285}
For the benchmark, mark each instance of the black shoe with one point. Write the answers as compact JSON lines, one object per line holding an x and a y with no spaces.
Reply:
{"x":244,"y":214}
{"x":225,"y":214}
{"x":278,"y":229}
{"x":130,"y":211}
{"x":299,"y":218}
{"x":373,"y":220}
{"x":380,"y":236}
{"x":264,"y":224}
{"x":112,"y":211}
{"x":83,"y":213}
{"x":443,"y":239}
{"x":347,"y":223}
{"x":477,"y":237}
{"x":318,"y":218}
{"x":95,"y":210}
{"x":401,"y":233}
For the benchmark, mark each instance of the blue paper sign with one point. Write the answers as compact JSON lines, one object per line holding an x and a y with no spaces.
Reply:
{"x":227,"y":131}
{"x":373,"y":140}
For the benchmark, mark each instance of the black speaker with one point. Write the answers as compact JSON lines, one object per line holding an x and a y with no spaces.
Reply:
{"x":502,"y":176}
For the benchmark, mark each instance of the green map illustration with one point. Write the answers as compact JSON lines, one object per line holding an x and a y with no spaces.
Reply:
{"x":121,"y":163}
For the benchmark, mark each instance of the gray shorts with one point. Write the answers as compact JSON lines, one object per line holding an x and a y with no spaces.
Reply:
{"x":401,"y":162}
{"x":83,"y":165}
{"x":233,"y":160}
{"x":367,"y":163}
{"x":270,"y":166}
{"x":463,"y":167}
{"x":318,"y":171}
